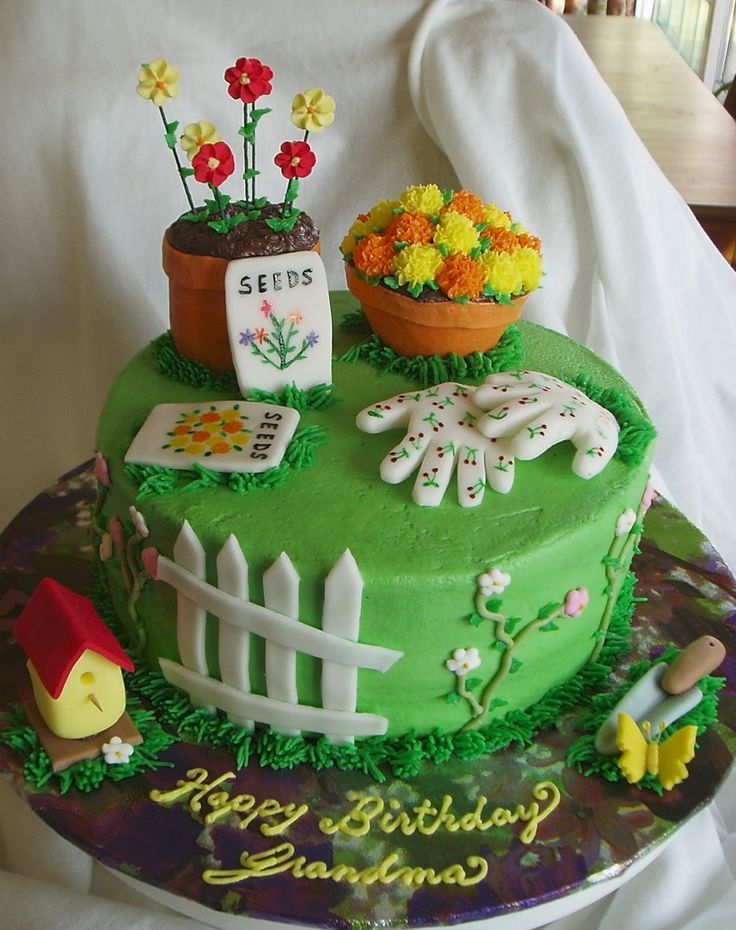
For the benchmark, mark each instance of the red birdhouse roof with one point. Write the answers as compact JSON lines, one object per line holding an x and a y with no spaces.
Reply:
{"x":56,"y":627}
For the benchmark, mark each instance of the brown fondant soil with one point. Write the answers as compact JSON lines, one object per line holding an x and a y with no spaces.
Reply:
{"x":247,"y":239}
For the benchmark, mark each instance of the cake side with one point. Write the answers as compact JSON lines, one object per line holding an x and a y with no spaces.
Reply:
{"x":419,"y":566}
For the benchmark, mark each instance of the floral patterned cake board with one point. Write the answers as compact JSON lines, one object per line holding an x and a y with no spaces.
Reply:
{"x":596,"y":837}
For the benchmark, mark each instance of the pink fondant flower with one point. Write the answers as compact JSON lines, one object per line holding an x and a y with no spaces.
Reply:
{"x":149,"y":557}
{"x":213,"y":163}
{"x":646,"y":501}
{"x":576,"y":602}
{"x":248,"y":79}
{"x":296,"y":160}
{"x":115,"y":529}
{"x":101,"y":470}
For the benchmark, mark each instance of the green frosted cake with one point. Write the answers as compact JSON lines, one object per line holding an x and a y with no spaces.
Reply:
{"x":353,"y":611}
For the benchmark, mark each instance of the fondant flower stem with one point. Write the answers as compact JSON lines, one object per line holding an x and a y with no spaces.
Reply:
{"x":480,"y":708}
{"x":246,"y":163}
{"x":179,"y":167}
{"x":616,"y":557}
{"x":218,"y":201}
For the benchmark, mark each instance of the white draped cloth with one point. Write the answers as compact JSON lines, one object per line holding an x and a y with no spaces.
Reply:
{"x":493,"y":95}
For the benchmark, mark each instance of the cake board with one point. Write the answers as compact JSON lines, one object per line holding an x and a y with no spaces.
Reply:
{"x":597,"y":838}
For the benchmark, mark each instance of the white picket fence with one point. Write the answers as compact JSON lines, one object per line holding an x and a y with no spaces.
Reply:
{"x":277,"y":622}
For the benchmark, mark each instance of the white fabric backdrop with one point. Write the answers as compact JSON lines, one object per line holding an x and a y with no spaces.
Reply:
{"x":497,"y":95}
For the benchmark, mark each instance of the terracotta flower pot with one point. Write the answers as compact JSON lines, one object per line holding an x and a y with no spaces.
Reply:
{"x":412,"y":327}
{"x":197,"y":314}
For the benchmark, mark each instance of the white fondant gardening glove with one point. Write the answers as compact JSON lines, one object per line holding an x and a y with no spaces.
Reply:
{"x":534,"y":411}
{"x":441,"y":430}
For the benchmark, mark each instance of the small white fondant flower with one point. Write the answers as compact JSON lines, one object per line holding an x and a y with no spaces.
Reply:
{"x":625,"y":522}
{"x":493,"y":581}
{"x":138,"y":522}
{"x":106,"y":547}
{"x":116,"y":752}
{"x":463,"y":660}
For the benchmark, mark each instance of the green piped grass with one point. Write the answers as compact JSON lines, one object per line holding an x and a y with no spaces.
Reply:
{"x":377,"y":757}
{"x":300,"y":453}
{"x":584,"y":757}
{"x":426,"y":371}
{"x":89,"y":774}
{"x":198,"y":375}
{"x":637,"y":432}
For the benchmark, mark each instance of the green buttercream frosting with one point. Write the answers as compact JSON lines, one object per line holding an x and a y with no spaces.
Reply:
{"x":300,"y":453}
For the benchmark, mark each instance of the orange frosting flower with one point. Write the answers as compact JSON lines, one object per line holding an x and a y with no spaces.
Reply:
{"x":412,"y":228}
{"x":530,"y":242}
{"x":468,"y":204}
{"x":460,"y":276}
{"x":374,"y":255}
{"x":502,"y":240}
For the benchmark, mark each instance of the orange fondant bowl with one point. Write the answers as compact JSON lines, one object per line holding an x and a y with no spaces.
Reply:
{"x":412,"y":327}
{"x":197,"y":314}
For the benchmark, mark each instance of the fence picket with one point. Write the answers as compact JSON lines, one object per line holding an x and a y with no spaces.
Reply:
{"x":281,"y":593}
{"x":234,"y":643}
{"x":278,"y":623}
{"x":191,"y":619}
{"x":341,"y":616}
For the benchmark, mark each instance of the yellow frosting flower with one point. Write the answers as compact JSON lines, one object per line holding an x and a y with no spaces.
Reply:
{"x":426,"y":199}
{"x":314,"y":110}
{"x":495,"y":217}
{"x":502,"y":273}
{"x":417,"y":264}
{"x":457,"y":234}
{"x":196,"y":135}
{"x":356,"y":232}
{"x":382,"y":214}
{"x":158,"y":81}
{"x":529,"y":265}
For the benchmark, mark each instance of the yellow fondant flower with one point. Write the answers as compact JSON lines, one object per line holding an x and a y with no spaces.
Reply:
{"x":501,"y":273}
{"x":457,"y":234}
{"x":426,"y":199}
{"x":495,"y":217}
{"x":417,"y":264}
{"x":196,"y":135}
{"x":313,"y":111}
{"x":529,"y":265}
{"x":382,"y":214}
{"x":158,"y":82}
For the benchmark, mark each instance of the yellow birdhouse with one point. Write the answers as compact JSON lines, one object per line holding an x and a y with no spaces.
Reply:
{"x":74,"y":662}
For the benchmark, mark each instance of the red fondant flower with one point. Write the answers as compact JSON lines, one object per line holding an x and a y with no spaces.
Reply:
{"x":296,"y":160}
{"x":213,"y":163}
{"x":248,"y":80}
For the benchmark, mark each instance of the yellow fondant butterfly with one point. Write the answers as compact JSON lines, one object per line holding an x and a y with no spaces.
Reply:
{"x":643,"y":753}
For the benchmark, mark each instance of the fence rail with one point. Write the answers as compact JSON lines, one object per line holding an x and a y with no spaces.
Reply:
{"x":277,"y":622}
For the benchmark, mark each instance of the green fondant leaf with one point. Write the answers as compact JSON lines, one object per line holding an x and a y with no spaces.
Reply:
{"x":475,"y":619}
{"x":392,"y":282}
{"x":186,"y":172}
{"x":452,"y":698}
{"x":472,"y":683}
{"x":549,"y":627}
{"x":500,"y":646}
{"x":516,"y":664}
{"x":494,"y":604}
{"x":511,"y":624}
{"x":548,"y":610}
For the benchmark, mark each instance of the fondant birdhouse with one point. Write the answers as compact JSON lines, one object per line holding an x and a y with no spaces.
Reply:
{"x":74,"y":662}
